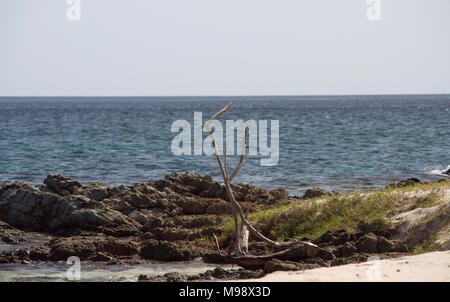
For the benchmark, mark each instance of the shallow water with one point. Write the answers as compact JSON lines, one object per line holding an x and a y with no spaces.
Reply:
{"x":100,"y":273}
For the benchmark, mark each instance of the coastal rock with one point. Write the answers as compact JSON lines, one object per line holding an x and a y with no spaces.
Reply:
{"x":316,"y":192}
{"x":278,"y":265}
{"x":347,"y":250}
{"x":325,"y":254}
{"x":96,"y":248}
{"x":198,"y":221}
{"x":61,"y":184}
{"x":385,"y":245}
{"x":97,"y":191}
{"x":169,"y":251}
{"x":367,"y":244}
{"x":174,"y":277}
{"x":203,"y":186}
{"x":191,"y":183}
{"x":25,"y":206}
{"x":447,"y":172}
{"x":405,"y":183}
{"x":280,"y":194}
{"x":176,"y":234}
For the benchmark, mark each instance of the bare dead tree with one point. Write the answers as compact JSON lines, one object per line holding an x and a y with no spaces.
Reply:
{"x":241,"y":225}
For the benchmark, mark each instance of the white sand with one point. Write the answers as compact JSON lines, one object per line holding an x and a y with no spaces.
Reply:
{"x":426,"y":267}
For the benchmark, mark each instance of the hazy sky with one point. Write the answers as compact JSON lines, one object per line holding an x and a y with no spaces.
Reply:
{"x":223,"y":47}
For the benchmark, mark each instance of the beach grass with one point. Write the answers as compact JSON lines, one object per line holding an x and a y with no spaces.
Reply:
{"x":311,"y":218}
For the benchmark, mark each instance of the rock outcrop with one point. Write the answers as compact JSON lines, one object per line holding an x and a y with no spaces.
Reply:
{"x":165,"y":220}
{"x":317,"y":192}
{"x":405,"y":183}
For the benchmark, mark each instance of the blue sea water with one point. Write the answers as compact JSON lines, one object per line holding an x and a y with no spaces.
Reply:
{"x":343,"y":143}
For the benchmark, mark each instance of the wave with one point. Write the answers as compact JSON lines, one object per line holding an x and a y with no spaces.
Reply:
{"x":440,"y":172}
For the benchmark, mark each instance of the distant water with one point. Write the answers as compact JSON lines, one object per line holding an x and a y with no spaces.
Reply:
{"x":341,"y":143}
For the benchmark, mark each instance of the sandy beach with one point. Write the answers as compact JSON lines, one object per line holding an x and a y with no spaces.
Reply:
{"x":430,"y":267}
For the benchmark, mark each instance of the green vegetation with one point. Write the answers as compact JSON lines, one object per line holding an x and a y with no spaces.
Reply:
{"x":426,"y":247}
{"x":351,"y":211}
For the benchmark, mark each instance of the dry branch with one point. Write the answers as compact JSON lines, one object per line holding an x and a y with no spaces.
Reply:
{"x":241,"y":231}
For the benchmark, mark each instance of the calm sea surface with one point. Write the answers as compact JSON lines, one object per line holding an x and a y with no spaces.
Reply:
{"x":341,"y":143}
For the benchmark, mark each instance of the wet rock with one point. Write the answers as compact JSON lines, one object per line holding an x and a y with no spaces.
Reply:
{"x":61,"y":184}
{"x":174,"y":277}
{"x":143,"y":278}
{"x":9,"y":239}
{"x":23,"y":254}
{"x":40,"y":253}
{"x":316,"y":192}
{"x":367,"y":244}
{"x":447,"y":172}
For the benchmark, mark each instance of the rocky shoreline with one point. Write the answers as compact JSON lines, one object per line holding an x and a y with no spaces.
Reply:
{"x":165,"y":220}
{"x":172,"y":219}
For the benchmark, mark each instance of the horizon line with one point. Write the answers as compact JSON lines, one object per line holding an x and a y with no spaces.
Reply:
{"x":217,"y":96}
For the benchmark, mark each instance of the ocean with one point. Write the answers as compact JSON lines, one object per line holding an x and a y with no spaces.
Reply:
{"x":340,"y":143}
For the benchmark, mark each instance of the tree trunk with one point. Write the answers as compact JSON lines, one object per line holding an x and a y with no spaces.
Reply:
{"x":244,"y":238}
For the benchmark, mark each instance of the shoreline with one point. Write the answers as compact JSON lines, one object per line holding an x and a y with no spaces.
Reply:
{"x":429,"y":267}
{"x":174,"y":219}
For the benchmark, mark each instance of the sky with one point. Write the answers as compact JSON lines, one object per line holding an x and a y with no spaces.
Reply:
{"x":223,"y":47}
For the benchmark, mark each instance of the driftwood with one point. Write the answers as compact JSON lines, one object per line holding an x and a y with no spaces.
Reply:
{"x":286,"y":250}
{"x":296,"y":251}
